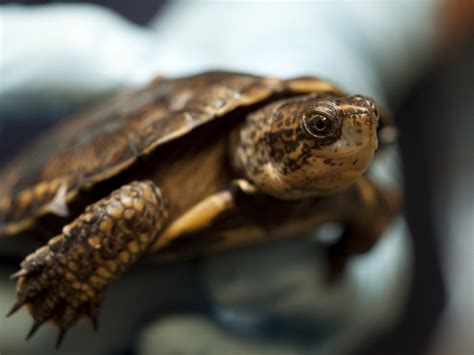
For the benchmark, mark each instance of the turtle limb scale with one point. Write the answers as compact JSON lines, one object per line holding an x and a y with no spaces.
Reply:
{"x":64,"y":281}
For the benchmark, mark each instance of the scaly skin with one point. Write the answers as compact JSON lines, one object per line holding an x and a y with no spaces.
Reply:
{"x":65,"y":280}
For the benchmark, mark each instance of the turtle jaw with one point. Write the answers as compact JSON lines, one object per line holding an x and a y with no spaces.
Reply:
{"x":358,"y":141}
{"x":359,"y":126}
{"x":358,"y":131}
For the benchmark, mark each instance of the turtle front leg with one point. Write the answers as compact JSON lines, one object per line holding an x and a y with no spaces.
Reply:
{"x":65,"y":280}
{"x":373,"y":209}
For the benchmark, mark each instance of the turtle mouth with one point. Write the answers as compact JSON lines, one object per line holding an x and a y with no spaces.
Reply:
{"x":372,"y":145}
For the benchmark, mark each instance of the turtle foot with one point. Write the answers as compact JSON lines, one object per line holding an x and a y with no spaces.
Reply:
{"x":64,"y":281}
{"x":53,"y":295}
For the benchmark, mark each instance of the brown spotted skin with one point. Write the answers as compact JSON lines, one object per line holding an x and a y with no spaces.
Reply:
{"x":65,"y":280}
{"x":282,"y":151}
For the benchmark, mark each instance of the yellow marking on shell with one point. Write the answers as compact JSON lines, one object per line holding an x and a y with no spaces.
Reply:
{"x":23,"y":224}
{"x":53,"y":185}
{"x":196,"y":218}
{"x":308,"y":85}
{"x":25,"y":198}
{"x":41,"y":189}
{"x":17,"y":227}
{"x":257,"y":93}
{"x":104,"y":273}
{"x":94,"y":242}
{"x":84,"y":297}
{"x":106,"y":226}
{"x":5,"y":203}
{"x":124,"y":257}
{"x":69,"y":276}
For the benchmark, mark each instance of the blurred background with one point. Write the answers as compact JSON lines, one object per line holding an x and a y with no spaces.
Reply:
{"x":417,"y":57}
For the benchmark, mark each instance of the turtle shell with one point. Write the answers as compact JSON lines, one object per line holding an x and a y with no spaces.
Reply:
{"x":97,"y":145}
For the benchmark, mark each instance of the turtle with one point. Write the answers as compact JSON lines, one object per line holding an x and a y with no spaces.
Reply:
{"x":183,"y":167}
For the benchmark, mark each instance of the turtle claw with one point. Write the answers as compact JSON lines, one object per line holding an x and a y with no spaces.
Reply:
{"x":92,"y":311}
{"x":36,"y":325}
{"x":53,"y":292}
{"x":18,"y":274}
{"x":53,"y":302}
{"x":15,"y":308}
{"x":95,"y":323}
{"x":61,"y":335}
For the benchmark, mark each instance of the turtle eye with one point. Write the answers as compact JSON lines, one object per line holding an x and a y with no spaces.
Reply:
{"x":319,"y":124}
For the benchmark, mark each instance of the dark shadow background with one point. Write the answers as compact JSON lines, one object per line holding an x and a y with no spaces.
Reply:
{"x":421,"y":116}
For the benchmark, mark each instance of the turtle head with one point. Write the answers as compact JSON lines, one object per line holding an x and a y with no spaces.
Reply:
{"x":310,"y":145}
